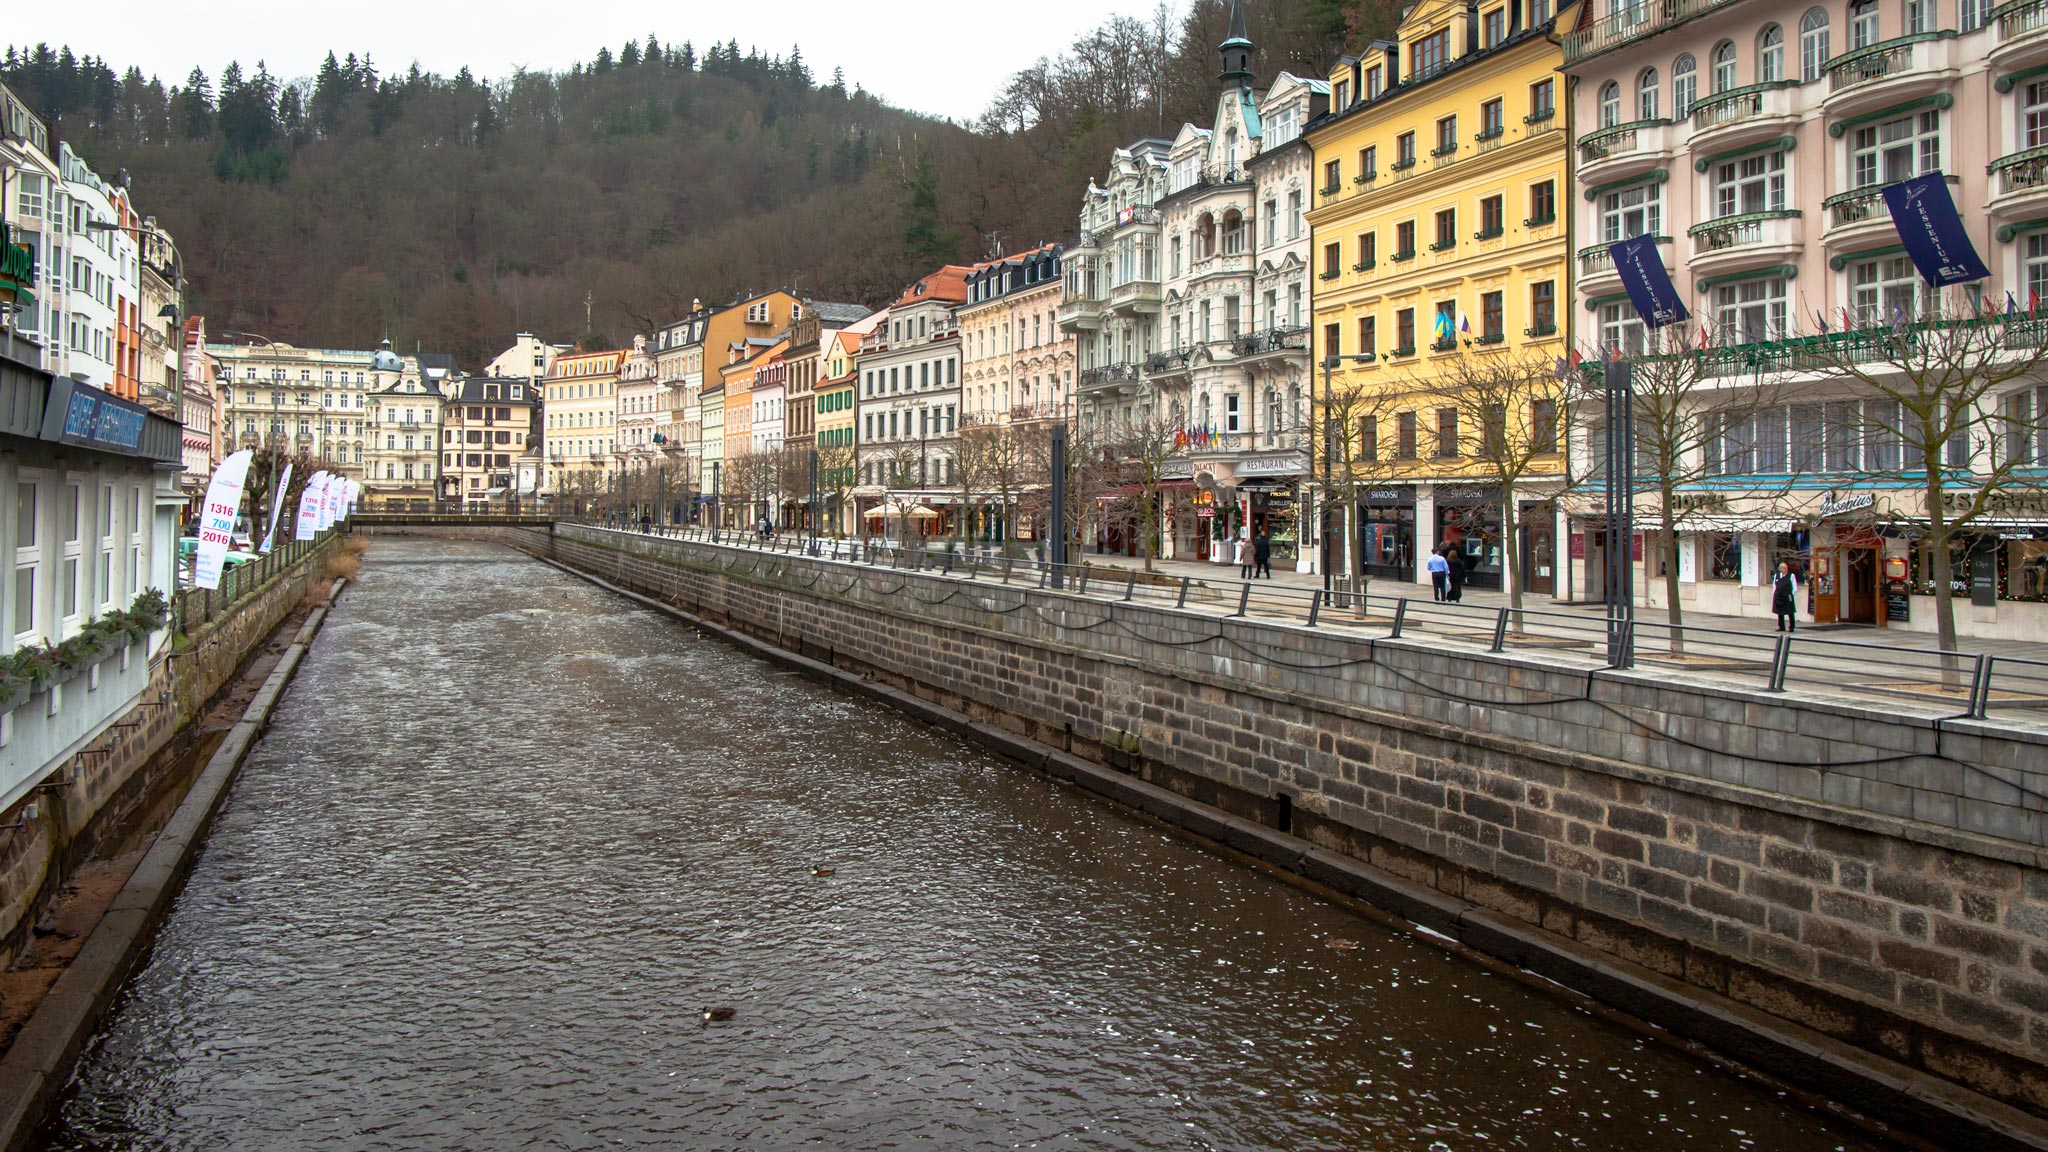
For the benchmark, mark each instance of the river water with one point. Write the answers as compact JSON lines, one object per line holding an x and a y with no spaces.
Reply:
{"x":509,"y":834}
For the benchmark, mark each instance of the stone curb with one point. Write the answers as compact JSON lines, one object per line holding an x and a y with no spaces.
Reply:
{"x":1871,"y":1085}
{"x":38,"y":1066}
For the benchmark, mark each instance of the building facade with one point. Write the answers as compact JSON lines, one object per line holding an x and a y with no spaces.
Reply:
{"x":1110,"y":301}
{"x":909,"y":406}
{"x":198,"y":398}
{"x":490,"y":424}
{"x":578,"y":406}
{"x":300,"y":400}
{"x":1753,"y":144}
{"x":1440,"y":259}
{"x":642,"y":411}
{"x":402,"y":467}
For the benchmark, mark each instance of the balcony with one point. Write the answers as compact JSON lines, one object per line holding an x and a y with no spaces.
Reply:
{"x":2022,"y":35}
{"x":1742,"y":243}
{"x":1631,"y":24}
{"x":1744,"y":115}
{"x":2019,"y":189}
{"x":1890,"y":72}
{"x":1111,"y":378}
{"x":1271,"y":342}
{"x":1596,"y":268}
{"x":1135,"y":297}
{"x":1136,"y":214}
{"x":1174,"y":363}
{"x":1078,"y":314}
{"x":1624,"y":150}
{"x":1858,"y":217}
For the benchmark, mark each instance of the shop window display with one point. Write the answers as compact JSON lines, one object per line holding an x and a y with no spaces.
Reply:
{"x":1724,"y":556}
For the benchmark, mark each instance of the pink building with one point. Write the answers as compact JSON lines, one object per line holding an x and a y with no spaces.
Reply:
{"x":1753,"y":140}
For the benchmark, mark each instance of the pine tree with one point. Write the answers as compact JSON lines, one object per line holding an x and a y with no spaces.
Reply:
{"x":688,"y":61}
{"x":796,"y":71}
{"x":629,"y":56}
{"x":196,"y":100}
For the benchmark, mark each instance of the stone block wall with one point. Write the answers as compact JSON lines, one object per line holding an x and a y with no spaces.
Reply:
{"x":125,"y":766}
{"x":1744,"y":843}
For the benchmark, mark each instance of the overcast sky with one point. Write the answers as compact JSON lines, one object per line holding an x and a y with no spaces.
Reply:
{"x":947,"y":60}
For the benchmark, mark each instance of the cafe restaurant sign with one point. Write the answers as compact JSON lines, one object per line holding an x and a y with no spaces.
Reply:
{"x":81,"y":414}
{"x":17,"y":267}
{"x":1854,"y":502}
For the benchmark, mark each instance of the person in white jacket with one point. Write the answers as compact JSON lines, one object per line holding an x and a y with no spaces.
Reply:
{"x":1244,"y":557}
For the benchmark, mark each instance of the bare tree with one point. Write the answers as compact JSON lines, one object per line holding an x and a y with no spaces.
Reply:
{"x":971,"y":447}
{"x":1145,"y":448}
{"x":1357,"y":448}
{"x":838,"y":473}
{"x":1010,"y":463}
{"x":1950,"y":418}
{"x":1515,"y":402}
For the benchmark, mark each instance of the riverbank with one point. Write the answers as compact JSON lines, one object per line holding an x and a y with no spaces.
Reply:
{"x":39,"y":1057}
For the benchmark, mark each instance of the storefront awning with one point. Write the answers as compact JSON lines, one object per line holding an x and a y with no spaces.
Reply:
{"x":1722,"y":524}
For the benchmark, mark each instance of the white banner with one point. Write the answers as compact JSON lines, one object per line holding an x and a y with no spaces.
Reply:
{"x":277,"y":505}
{"x":355,"y":494}
{"x":309,"y":506}
{"x":217,"y":518}
{"x":337,"y":488}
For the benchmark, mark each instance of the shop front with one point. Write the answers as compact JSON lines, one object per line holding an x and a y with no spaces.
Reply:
{"x":1386,"y":532}
{"x":1536,"y":522}
{"x":1468,"y":517}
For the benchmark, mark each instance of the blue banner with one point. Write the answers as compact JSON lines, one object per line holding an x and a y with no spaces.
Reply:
{"x":1648,"y":283}
{"x":1925,"y":215}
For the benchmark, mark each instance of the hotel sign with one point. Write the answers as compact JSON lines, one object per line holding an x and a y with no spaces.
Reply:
{"x":1856,"y":502}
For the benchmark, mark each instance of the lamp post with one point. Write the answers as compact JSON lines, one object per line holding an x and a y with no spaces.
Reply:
{"x":1618,"y":389}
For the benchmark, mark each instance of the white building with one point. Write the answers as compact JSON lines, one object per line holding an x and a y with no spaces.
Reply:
{"x":95,"y":279}
{"x":909,"y":397}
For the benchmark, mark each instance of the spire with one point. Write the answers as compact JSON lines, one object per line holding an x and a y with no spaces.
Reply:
{"x":1237,"y":50}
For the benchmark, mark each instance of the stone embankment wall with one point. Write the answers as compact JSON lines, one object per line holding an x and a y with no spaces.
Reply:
{"x":1823,"y":863}
{"x":122,"y":769}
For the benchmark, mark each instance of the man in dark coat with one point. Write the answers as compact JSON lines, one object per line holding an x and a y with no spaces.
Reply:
{"x":1454,"y":559}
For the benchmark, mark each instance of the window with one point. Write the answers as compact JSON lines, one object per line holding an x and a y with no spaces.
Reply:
{"x":1637,"y":211}
{"x":1646,"y":95}
{"x":1896,"y":150}
{"x":27,"y":555}
{"x":1332,"y":172}
{"x":1446,"y":325}
{"x":1685,"y":86}
{"x":1770,"y":55}
{"x":1294,"y":216}
{"x":1404,"y":333}
{"x":1543,"y":308}
{"x":1543,"y":425}
{"x":1919,"y":16}
{"x":1331,"y":260}
{"x":1446,"y":230}
{"x":1405,"y":434}
{"x":1446,"y":136}
{"x":1542,"y":100}
{"x":2036,"y":265}
{"x":1862,"y":24}
{"x":1446,"y":433}
{"x":1368,"y":249}
{"x":1542,"y":203}
{"x":1491,"y":123}
{"x":1813,"y":44}
{"x":1492,"y":320}
{"x":1432,"y":53}
{"x":1496,"y":23}
{"x":1404,"y":240}
{"x":1404,"y":151}
{"x":1884,"y":290}
{"x":1492,"y":217}
{"x":1975,"y":14}
{"x":1724,"y":66}
{"x":1333,"y":339}
{"x":2034,"y":114}
{"x":1753,"y":309}
{"x":1610,"y":104}
{"x":1621,"y":330}
{"x":1751,"y":184}
{"x":1368,"y":165}
{"x":1368,"y":335}
{"x":1369,"y":439}
{"x":1375,"y":83}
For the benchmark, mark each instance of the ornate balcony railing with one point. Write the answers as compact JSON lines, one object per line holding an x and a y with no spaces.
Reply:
{"x":1633,"y":22}
{"x":1270,"y":340}
{"x":2020,"y":18}
{"x":1735,"y":231}
{"x":1619,"y":140}
{"x":1734,"y":105}
{"x":2022,"y":171}
{"x":1877,"y":62}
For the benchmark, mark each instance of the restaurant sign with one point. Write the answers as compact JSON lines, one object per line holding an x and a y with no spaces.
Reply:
{"x":17,"y":267}
{"x":1855,"y":502}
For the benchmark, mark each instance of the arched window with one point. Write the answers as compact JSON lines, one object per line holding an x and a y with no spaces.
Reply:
{"x":1862,"y":24}
{"x":1610,"y":104}
{"x":1646,"y":95}
{"x":1724,"y":66}
{"x":1813,"y":43}
{"x":1770,"y":55}
{"x":1685,"y":86}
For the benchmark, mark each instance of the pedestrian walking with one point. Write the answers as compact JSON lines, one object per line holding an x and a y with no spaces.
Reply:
{"x":1454,"y":573}
{"x":1439,"y":574}
{"x":1785,"y":597}
{"x":1244,"y":557}
{"x":1262,"y":557}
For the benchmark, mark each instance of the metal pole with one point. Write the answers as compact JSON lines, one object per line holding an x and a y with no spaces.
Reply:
{"x":1058,"y":555}
{"x":1316,"y":419}
{"x":811,"y":518}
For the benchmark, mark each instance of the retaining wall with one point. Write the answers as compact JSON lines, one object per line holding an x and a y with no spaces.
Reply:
{"x":1814,"y":860}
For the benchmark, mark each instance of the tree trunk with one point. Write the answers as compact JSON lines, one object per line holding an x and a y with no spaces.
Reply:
{"x":1667,"y":547}
{"x":1942,"y":560}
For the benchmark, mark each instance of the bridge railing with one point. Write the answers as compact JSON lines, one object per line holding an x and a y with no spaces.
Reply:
{"x":1930,"y":680}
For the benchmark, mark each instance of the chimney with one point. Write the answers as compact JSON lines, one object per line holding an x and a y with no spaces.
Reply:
{"x":1471,"y":27}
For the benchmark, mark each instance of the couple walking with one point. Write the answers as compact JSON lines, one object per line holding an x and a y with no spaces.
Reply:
{"x":1447,"y":572}
{"x":1254,"y":557}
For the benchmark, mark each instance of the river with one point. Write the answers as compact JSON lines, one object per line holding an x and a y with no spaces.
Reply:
{"x":509,"y":835}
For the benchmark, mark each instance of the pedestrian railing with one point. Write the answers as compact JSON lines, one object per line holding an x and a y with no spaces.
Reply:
{"x":1953,"y":683}
{"x":194,"y":608}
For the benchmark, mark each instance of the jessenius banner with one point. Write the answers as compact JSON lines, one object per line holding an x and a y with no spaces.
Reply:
{"x":217,"y":518}
{"x":1925,"y":215}
{"x":309,"y":506}
{"x":1649,"y":285}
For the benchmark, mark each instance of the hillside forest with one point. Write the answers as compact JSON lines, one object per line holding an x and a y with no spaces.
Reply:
{"x":448,"y":212}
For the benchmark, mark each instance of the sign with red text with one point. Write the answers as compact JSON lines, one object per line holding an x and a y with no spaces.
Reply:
{"x":217,"y":519}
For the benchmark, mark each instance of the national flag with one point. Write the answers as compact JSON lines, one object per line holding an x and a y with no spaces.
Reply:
{"x":1848,"y":322}
{"x":2033,"y":301}
{"x":1821,"y":316}
{"x":2012,"y":306}
{"x":1575,"y":358}
{"x":1464,"y":322}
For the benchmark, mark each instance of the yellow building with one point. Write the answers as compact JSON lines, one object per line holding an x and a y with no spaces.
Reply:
{"x":580,"y":421}
{"x":1440,"y":258}
{"x":835,"y":409}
